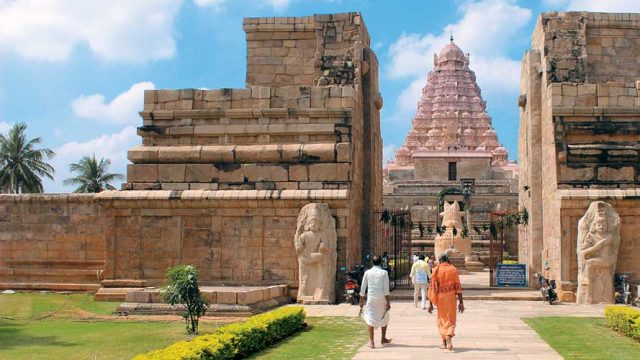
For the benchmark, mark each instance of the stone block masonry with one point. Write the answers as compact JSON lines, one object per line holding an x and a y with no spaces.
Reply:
{"x":579,"y":135}
{"x":221,"y":175}
{"x":53,"y":242}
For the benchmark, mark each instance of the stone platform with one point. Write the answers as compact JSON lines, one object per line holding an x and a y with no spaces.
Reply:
{"x":224,"y":300}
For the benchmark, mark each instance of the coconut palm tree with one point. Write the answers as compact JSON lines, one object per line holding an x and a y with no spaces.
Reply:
{"x":22,"y":164}
{"x":92,"y":176}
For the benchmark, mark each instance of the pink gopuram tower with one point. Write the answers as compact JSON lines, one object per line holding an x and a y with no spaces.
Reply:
{"x":451,"y":115}
{"x":452,"y":144}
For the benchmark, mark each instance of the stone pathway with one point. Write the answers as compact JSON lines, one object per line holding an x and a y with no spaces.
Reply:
{"x":487,"y":330}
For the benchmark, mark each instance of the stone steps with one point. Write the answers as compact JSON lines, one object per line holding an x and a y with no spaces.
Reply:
{"x":48,"y":286}
{"x":55,"y":264}
{"x":50,"y":275}
{"x":57,"y":275}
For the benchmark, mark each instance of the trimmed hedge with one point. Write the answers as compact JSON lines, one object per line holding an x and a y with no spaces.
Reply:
{"x":237,"y":340}
{"x":624,"y":319}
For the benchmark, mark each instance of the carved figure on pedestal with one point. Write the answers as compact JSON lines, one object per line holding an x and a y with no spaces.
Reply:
{"x":451,"y":218}
{"x":316,"y":243}
{"x":598,"y":242}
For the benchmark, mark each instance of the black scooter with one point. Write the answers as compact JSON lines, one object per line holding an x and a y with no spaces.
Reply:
{"x":547,"y":287}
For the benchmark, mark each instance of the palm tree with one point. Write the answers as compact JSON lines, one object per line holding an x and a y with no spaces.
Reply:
{"x":92,"y":176}
{"x":22,"y":165}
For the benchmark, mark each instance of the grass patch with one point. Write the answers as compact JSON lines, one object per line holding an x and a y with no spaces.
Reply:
{"x":584,"y":338}
{"x":73,"y":326}
{"x":324,"y":338}
{"x":68,"y":339}
{"x":23,"y":306}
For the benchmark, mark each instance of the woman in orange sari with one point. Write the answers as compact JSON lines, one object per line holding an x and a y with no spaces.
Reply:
{"x":444,"y":288}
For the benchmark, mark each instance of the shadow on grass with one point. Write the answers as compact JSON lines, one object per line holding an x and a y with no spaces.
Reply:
{"x":287,"y":340}
{"x":13,"y":335}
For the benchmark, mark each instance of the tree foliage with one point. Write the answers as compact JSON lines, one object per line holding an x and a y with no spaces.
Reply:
{"x":92,"y":176}
{"x":182,"y":288}
{"x":22,"y":163}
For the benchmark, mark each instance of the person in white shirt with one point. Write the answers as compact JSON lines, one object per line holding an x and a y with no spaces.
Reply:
{"x":420,"y":274}
{"x":375,"y":291}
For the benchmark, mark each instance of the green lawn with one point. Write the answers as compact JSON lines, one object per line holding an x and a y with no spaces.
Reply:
{"x":57,"y":326}
{"x":325,"y":338}
{"x":584,"y":338}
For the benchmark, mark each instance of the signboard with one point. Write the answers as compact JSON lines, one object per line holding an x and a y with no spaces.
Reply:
{"x":513,"y":275}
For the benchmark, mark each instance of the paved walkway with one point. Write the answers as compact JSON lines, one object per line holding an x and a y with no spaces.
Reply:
{"x":487,"y":330}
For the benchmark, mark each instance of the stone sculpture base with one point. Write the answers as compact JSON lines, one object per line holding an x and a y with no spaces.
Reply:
{"x":473,"y":263}
{"x":448,"y":241}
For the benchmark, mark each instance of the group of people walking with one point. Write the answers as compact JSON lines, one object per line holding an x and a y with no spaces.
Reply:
{"x":439,"y":283}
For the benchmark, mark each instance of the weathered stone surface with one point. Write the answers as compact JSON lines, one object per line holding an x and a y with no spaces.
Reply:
{"x":142,"y":173}
{"x":331,"y":172}
{"x":598,"y":242}
{"x":227,"y":173}
{"x":259,"y":172}
{"x":316,"y":246}
{"x":198,"y":173}
{"x":575,"y":146}
{"x":171,"y":172}
{"x":298,"y":173}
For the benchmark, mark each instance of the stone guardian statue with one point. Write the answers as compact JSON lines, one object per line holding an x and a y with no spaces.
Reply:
{"x":598,"y":241}
{"x":316,"y":248}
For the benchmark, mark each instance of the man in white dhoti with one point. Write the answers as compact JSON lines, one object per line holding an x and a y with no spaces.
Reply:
{"x":375,"y":291}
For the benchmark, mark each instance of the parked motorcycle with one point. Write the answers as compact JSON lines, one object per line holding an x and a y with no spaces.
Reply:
{"x":547,"y":287}
{"x":352,"y":284}
{"x":622,"y":288}
{"x":351,"y":291}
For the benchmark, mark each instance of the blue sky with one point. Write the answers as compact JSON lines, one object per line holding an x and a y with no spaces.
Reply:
{"x":75,"y":70}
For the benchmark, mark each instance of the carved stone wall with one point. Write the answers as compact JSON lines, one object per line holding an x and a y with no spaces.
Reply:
{"x":221,"y":175}
{"x":578,"y":134}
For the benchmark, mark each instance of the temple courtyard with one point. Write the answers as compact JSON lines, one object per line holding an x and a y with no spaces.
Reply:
{"x":39,"y":325}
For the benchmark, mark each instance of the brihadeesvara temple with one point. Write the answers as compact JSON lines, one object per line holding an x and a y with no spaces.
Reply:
{"x":273,"y":190}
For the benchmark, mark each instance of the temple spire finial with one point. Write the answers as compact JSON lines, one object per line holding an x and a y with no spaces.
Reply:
{"x":451,"y":38}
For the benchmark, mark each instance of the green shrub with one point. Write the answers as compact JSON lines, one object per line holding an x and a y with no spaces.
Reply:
{"x":237,"y":340}
{"x":182,"y":288}
{"x":624,"y":319}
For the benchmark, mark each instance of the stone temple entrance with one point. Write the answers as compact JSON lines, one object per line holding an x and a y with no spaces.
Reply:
{"x":452,"y":140}
{"x":392,"y":241}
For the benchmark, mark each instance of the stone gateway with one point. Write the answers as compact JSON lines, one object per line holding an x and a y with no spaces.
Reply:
{"x":315,"y":243}
{"x":578,"y":143}
{"x":598,"y":241}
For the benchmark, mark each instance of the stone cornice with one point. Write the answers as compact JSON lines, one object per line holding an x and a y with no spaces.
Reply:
{"x":595,"y":111}
{"x":342,"y":194}
{"x":246,"y":113}
{"x":597,"y":194}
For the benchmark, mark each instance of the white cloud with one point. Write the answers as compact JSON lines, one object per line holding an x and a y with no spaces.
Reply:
{"x":4,"y":127}
{"x":123,"y":109}
{"x":486,"y":31}
{"x":120,"y":30}
{"x":110,"y":146}
{"x":217,"y":4}
{"x":595,"y":5}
